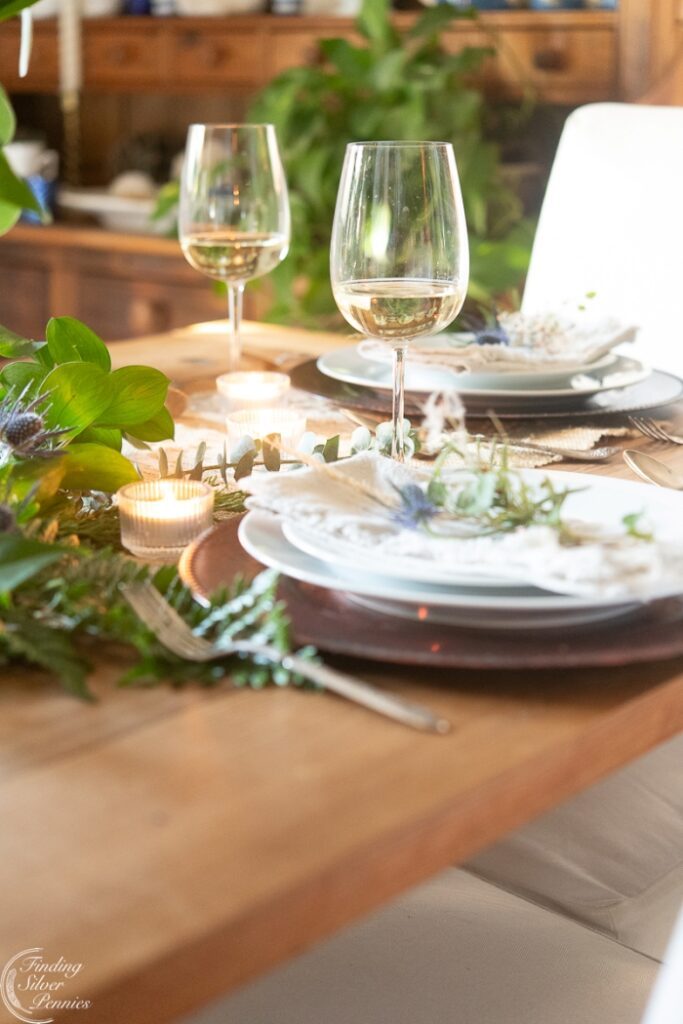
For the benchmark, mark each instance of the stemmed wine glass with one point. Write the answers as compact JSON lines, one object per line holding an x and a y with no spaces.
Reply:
{"x":234,"y":210}
{"x":399,"y":257}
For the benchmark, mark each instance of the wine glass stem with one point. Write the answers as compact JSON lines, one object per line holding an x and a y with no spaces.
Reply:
{"x":235,"y":294}
{"x":397,"y":439}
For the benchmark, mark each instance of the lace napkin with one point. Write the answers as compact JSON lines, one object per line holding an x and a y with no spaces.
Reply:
{"x":354,"y":502}
{"x":534,"y":342}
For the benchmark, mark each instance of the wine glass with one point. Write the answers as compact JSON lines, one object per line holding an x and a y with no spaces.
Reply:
{"x":234,"y":220}
{"x":399,"y":257}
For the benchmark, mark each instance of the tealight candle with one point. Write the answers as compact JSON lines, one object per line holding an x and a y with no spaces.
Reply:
{"x":159,"y":518}
{"x":290,"y":424}
{"x":252,"y":390}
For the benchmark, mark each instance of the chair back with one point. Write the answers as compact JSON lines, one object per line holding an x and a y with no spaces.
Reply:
{"x":612,"y":223}
{"x":666,"y":1001}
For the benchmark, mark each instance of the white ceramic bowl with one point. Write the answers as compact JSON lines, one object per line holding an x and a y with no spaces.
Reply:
{"x":216,"y":8}
{"x":90,"y":8}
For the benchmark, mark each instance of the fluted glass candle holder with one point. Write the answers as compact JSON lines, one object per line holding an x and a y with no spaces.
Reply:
{"x":252,"y":389}
{"x":290,"y":424}
{"x":159,"y":518}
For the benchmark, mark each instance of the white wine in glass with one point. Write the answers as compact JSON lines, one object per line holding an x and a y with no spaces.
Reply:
{"x":399,"y":259}
{"x":234,"y":209}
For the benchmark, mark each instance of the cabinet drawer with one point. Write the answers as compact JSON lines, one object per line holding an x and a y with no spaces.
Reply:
{"x":569,"y":66}
{"x":566,"y":65}
{"x":121,"y":57}
{"x":219,"y":58}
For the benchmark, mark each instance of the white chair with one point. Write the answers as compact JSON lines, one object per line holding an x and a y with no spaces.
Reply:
{"x":453,"y":951}
{"x":611,"y":858}
{"x":612,"y":223}
{"x":666,"y":1002}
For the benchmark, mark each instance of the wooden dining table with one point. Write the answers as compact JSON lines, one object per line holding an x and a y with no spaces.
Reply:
{"x":178,"y":843}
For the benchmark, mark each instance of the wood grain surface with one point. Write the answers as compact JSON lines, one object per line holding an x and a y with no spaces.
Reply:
{"x":179,"y":843}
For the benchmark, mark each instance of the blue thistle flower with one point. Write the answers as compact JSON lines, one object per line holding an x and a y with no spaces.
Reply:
{"x":415,"y":508}
{"x":492,"y":334}
{"x":486,"y":330}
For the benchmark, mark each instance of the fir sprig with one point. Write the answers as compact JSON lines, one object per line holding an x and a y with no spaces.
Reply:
{"x":50,"y":617}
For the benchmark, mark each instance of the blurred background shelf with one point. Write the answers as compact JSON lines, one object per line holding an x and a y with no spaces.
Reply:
{"x":127,"y":285}
{"x":569,"y":57}
{"x":147,"y":78}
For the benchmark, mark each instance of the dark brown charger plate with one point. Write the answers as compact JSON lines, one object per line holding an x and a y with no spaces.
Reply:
{"x":333,"y":623}
{"x":659,"y":389}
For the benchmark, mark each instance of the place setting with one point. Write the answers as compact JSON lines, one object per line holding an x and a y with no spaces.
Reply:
{"x":447,"y":553}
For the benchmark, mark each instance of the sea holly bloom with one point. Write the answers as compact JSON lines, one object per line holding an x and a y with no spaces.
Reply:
{"x":23,"y":430}
{"x":415,"y":509}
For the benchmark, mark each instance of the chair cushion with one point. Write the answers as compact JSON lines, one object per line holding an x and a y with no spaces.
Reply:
{"x":454,"y":951}
{"x":611,"y":857}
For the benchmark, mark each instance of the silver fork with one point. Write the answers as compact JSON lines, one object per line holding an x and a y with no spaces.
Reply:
{"x":152,"y":609}
{"x":575,"y":454}
{"x":654,"y":430}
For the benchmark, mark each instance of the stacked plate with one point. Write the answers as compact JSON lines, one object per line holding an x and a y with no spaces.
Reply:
{"x":614,"y":382}
{"x":412,"y":588}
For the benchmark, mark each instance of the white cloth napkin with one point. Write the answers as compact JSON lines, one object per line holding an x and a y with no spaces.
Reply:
{"x":352,"y":502}
{"x":539,"y":341}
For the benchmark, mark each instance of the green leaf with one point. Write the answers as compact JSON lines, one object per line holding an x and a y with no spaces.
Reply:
{"x":108,"y":436}
{"x":93,"y":467}
{"x":331,"y":449}
{"x":41,"y":354}
{"x":433,"y":20}
{"x":8,"y":122}
{"x":167,"y":200}
{"x":18,"y":376}
{"x":9,"y":215}
{"x":136,"y":394}
{"x":79,"y":394}
{"x":38,"y":478}
{"x":16,"y":192}
{"x":21,"y":558}
{"x":158,"y":428}
{"x":8,"y":8}
{"x":374,"y":22}
{"x":271,"y":452}
{"x":71,"y":341}
{"x":245,"y":465}
{"x":48,"y":648}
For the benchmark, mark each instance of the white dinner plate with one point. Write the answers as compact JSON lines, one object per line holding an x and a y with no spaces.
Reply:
{"x":614,"y":371}
{"x":261,"y":536}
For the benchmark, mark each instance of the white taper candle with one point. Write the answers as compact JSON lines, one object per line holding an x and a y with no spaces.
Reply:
{"x":70,"y":55}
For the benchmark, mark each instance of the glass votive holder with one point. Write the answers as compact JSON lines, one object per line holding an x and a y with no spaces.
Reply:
{"x":159,"y":518}
{"x":290,"y":424}
{"x":253,"y":390}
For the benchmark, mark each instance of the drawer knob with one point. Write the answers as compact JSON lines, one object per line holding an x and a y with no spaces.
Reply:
{"x":550,"y":60}
{"x":120,"y":54}
{"x":216,"y":55}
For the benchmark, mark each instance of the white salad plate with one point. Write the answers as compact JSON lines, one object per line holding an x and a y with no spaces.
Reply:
{"x":614,"y":371}
{"x":346,"y":556}
{"x":452,"y":341}
{"x":597,"y":500}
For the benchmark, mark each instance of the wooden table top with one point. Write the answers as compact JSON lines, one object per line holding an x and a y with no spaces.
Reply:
{"x":178,"y":843}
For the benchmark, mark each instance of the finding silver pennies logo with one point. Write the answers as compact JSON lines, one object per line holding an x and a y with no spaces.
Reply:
{"x":32,"y":986}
